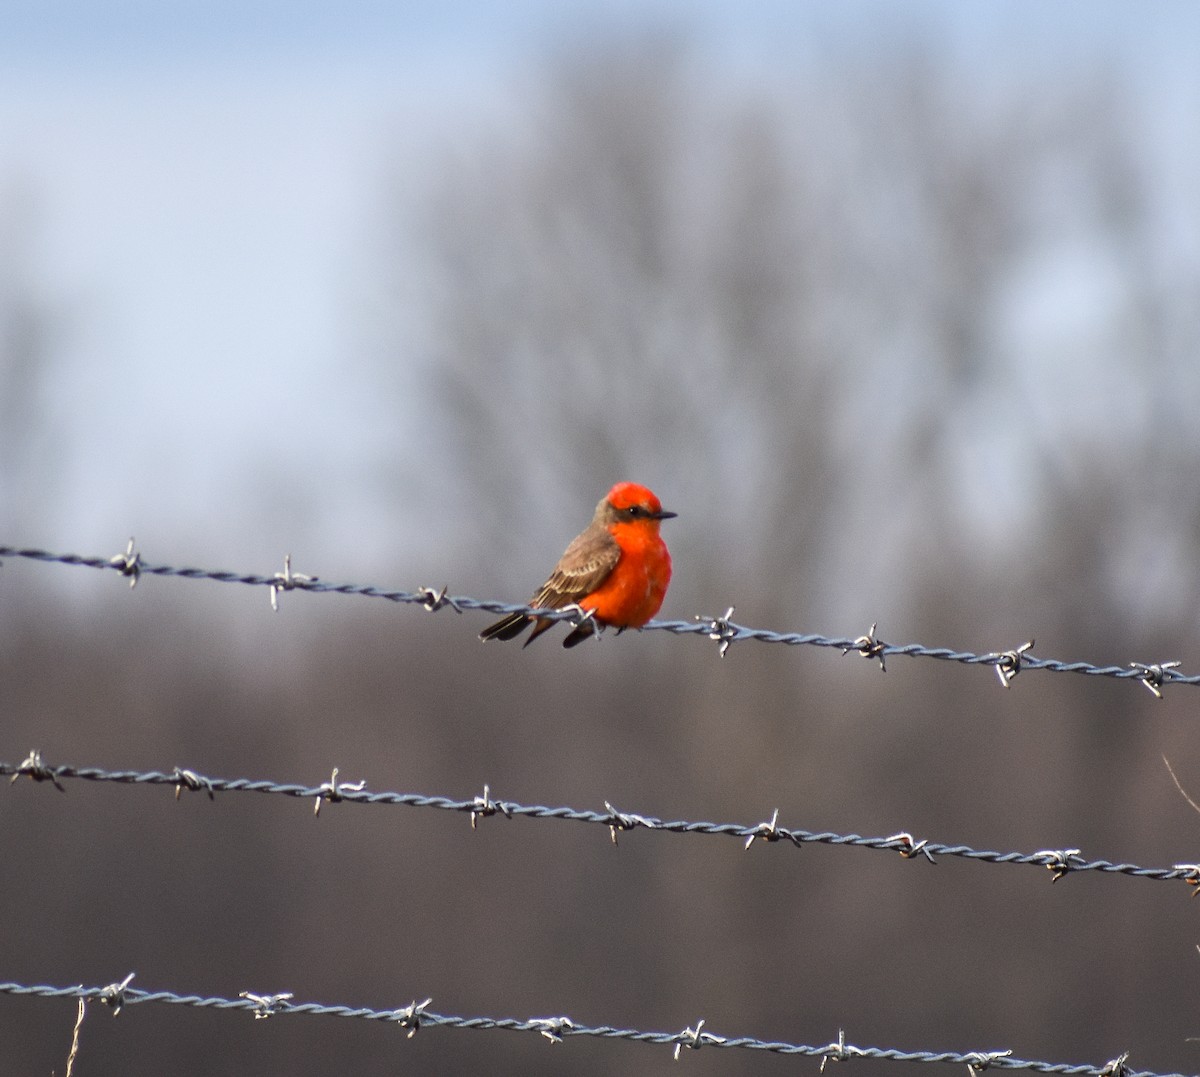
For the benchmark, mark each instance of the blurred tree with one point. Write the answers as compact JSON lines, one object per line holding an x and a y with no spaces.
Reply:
{"x":27,"y":447}
{"x":798,"y":316}
{"x":624,"y":291}
{"x":874,"y":337}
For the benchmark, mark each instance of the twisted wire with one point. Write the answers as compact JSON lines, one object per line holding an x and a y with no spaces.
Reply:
{"x":1058,"y":861}
{"x":555,"y":1029}
{"x":721,"y":629}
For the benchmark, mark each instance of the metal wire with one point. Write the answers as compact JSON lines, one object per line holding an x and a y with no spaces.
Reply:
{"x":1059,"y":862}
{"x":555,"y":1029}
{"x":725,"y":632}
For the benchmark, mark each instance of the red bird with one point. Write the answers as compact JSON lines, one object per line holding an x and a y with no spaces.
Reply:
{"x":617,"y":570}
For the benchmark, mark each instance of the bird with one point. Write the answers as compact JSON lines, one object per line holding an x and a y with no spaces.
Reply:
{"x":616,"y":571}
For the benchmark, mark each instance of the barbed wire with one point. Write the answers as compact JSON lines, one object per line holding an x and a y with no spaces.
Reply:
{"x":1154,"y":676}
{"x":1006,"y":664}
{"x":416,"y":1015}
{"x":1059,"y":862}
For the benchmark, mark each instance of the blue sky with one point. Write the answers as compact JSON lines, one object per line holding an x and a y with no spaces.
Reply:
{"x":200,"y":187}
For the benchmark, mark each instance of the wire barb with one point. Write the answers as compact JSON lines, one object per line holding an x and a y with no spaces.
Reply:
{"x":695,"y":1038}
{"x":189,"y":779}
{"x":767,"y":831}
{"x":35,"y":769}
{"x":484,"y":806}
{"x":1060,"y":861}
{"x":910,"y":848}
{"x":410,"y":1016}
{"x":1115,"y":1067}
{"x":582,"y":617}
{"x":553,"y":1028}
{"x":720,"y":629}
{"x":128,"y":563}
{"x":618,"y":820}
{"x":287,"y":580}
{"x":838,"y":1051}
{"x":869,"y":647}
{"x":333,"y":791}
{"x":434,"y":600}
{"x":1156,"y":675}
{"x":114,"y":994}
{"x":978,"y":1061}
{"x":267,"y":1005}
{"x":1008,"y":663}
{"x":1191,"y":876}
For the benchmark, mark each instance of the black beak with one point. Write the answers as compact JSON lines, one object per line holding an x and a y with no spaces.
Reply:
{"x":662,"y":514}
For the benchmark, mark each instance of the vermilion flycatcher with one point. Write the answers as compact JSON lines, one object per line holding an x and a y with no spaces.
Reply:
{"x":617,"y":570}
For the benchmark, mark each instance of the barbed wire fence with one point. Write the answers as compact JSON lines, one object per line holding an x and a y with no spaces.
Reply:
{"x":1006,"y":664}
{"x":1059,"y":862}
{"x":418,"y":1015}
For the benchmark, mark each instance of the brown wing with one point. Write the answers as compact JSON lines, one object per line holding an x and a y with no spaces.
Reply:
{"x":583,"y":567}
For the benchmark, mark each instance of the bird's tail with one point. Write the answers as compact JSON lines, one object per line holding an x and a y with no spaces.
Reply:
{"x":506,"y":628}
{"x":514,"y":624}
